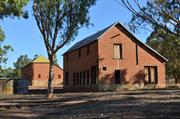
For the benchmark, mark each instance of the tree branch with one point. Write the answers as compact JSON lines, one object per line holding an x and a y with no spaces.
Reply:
{"x":146,"y":17}
{"x":41,"y":29}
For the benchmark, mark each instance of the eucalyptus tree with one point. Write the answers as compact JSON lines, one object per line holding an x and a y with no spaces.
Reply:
{"x":58,"y":22}
{"x":162,"y":17}
{"x":22,"y":61}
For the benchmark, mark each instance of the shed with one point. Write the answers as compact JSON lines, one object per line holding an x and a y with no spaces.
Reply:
{"x":6,"y":86}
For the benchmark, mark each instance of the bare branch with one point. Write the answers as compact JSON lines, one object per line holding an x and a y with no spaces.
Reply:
{"x":147,"y":17}
{"x":166,"y":12}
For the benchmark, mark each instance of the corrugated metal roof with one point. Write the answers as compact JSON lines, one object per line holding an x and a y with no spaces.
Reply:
{"x":99,"y":34}
{"x":88,"y":40}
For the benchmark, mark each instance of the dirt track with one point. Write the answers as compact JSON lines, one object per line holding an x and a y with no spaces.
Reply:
{"x":161,"y":104}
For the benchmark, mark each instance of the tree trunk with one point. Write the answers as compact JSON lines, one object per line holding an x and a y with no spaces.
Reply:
{"x":176,"y":79}
{"x":51,"y":77}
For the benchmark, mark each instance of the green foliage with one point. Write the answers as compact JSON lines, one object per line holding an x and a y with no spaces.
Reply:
{"x":13,"y":8}
{"x":1,"y":35}
{"x":35,"y":56}
{"x":7,"y":72}
{"x":157,"y":13}
{"x":9,"y":8}
{"x":164,"y":44}
{"x":59,"y":22}
{"x":22,"y":61}
{"x":4,"y":49}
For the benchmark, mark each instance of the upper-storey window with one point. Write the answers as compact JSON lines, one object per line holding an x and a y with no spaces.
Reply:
{"x":117,"y":51}
{"x":87,"y":50}
{"x":79,"y":53}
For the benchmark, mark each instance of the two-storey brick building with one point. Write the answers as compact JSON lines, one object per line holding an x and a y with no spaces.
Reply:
{"x":110,"y":59}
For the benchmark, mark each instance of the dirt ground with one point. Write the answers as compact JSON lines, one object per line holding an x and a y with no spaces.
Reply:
{"x":148,"y":104}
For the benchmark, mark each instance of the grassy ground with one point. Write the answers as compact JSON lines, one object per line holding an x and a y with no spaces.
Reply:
{"x":149,"y":104}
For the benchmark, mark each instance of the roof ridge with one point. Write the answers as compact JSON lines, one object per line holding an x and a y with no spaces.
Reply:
{"x":38,"y":58}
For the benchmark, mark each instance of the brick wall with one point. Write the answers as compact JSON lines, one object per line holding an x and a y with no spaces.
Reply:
{"x":131,"y":72}
{"x":37,"y":74}
{"x":76,"y":64}
{"x":135,"y":57}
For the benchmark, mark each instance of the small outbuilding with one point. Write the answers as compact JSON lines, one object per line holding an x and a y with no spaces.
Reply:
{"x":6,"y":86}
{"x":37,"y":73}
{"x":10,"y":86}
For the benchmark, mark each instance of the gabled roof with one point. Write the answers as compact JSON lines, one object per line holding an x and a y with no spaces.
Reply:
{"x":87,"y":40}
{"x":98,"y":35}
{"x":40,"y":59}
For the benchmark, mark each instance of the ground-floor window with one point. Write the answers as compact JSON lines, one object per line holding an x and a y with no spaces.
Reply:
{"x":74,"y":79}
{"x":67,"y":78}
{"x":87,"y":78}
{"x":151,"y":75}
{"x":93,"y":75}
{"x":80,"y":74}
{"x":117,"y":76}
{"x":84,"y":77}
{"x":59,"y":76}
{"x":39,"y":76}
{"x":77,"y":78}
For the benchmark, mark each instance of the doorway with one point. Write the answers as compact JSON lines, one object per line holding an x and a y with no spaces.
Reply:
{"x":117,"y":76}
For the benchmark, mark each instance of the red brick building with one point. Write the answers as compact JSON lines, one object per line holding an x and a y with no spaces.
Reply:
{"x":37,"y":72}
{"x":112,"y":59}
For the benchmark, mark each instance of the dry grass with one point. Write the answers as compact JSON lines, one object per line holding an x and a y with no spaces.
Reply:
{"x":150,"y":104}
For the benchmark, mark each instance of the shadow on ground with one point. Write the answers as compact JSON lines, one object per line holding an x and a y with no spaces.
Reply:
{"x":159,"y":104}
{"x":44,"y":91}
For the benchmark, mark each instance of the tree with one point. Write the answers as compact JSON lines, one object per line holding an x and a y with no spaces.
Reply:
{"x":56,"y":60}
{"x":163,"y":14}
{"x":9,"y":8}
{"x":7,"y":72}
{"x":22,"y":61}
{"x":169,"y":50}
{"x":59,"y":22}
{"x":13,"y":8}
{"x":162,"y":17}
{"x":4,"y":49}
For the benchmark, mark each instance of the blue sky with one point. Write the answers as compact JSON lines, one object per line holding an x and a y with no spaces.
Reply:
{"x":25,"y":38}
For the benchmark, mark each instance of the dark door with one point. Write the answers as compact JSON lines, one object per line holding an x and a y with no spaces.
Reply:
{"x":117,"y":77}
